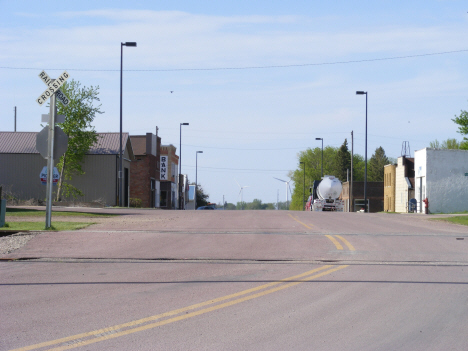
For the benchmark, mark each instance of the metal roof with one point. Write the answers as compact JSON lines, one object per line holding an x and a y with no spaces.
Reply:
{"x":108,"y":144}
{"x":18,"y":143}
{"x":138,"y":144}
{"x":25,"y":143}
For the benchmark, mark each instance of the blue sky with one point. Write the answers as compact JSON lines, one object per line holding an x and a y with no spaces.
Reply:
{"x":311,"y":57}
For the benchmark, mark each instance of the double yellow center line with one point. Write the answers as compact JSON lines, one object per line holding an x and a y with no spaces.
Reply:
{"x":338,"y":244}
{"x":158,"y":320}
{"x":331,"y":237}
{"x":95,"y":336}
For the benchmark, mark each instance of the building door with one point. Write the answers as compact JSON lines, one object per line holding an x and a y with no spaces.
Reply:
{"x":163,"y":198}
{"x":359,"y":205}
{"x":152,"y":192}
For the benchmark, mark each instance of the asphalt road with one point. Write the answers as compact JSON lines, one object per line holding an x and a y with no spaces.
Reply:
{"x":240,"y":280}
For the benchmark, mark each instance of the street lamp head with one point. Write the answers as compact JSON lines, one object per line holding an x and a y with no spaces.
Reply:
{"x":130,"y":43}
{"x":361,"y":92}
{"x":318,"y":138}
{"x":199,"y":152}
{"x":184,"y":124}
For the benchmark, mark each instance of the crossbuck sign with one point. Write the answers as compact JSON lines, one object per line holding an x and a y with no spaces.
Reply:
{"x":51,"y":92}
{"x":52,"y":87}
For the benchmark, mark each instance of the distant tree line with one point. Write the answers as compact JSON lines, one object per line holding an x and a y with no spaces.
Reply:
{"x":256,"y":204}
{"x":336,"y":162}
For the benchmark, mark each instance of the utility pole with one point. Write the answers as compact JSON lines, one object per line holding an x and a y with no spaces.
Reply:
{"x":15,"y":118}
{"x":351,"y":207}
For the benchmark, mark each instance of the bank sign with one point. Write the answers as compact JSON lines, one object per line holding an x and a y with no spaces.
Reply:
{"x":163,"y":168}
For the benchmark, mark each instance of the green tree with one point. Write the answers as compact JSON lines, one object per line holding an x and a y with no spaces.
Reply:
{"x":312,"y":159}
{"x":343,"y":162}
{"x":283,"y":205}
{"x":79,"y":115}
{"x":241,"y":205}
{"x":375,"y":167}
{"x":230,"y":206}
{"x":446,"y":144}
{"x":256,"y":204}
{"x":462,"y":121}
{"x":332,"y":163}
{"x":202,"y":197}
{"x":358,"y":168}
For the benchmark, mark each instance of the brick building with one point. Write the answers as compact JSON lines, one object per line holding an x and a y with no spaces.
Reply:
{"x":375,"y":196}
{"x":145,"y":170}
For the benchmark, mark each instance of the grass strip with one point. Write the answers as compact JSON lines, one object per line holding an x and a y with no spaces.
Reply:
{"x":463,"y":220}
{"x":38,"y":213}
{"x":56,"y":226}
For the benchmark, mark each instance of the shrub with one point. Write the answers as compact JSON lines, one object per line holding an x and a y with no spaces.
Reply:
{"x":135,"y":202}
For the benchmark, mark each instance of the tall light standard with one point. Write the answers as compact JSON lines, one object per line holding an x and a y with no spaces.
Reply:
{"x":131,"y":43}
{"x":303,"y":190}
{"x":365,"y":155}
{"x":196,"y":175}
{"x":180,"y":162}
{"x":322,"y":153}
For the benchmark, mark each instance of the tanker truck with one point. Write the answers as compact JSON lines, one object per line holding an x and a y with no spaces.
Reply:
{"x":325,"y":194}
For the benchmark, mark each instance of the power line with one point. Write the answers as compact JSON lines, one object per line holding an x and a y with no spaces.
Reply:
{"x":240,"y":169}
{"x":246,"y":67}
{"x":246,"y":149}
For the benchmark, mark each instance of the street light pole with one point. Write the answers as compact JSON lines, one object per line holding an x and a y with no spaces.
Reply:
{"x":196,"y":175}
{"x":322,"y":153}
{"x":365,"y":156}
{"x":303,"y":190}
{"x":180,"y":162}
{"x":132,"y":44}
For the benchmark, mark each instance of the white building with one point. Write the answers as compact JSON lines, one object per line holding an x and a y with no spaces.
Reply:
{"x":441,"y":176}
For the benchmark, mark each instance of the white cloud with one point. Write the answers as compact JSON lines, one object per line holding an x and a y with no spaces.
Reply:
{"x":183,"y":40}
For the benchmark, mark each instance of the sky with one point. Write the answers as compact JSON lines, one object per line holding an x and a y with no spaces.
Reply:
{"x":257,"y":81}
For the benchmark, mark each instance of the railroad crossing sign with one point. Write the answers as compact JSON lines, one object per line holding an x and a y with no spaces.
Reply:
{"x":51,"y":92}
{"x":52,"y":87}
{"x":60,"y":96}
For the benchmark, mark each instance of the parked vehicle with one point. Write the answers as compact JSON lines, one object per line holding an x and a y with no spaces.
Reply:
{"x":325,"y":195}
{"x":205,"y":208}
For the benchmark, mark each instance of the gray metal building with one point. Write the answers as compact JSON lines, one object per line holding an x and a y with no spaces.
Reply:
{"x":21,"y":164}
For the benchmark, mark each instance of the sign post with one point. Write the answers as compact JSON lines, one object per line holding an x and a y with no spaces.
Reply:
{"x":53,"y":86}
{"x":50,"y":162}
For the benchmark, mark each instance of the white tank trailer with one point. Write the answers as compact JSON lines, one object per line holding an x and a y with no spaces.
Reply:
{"x":327,"y":196}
